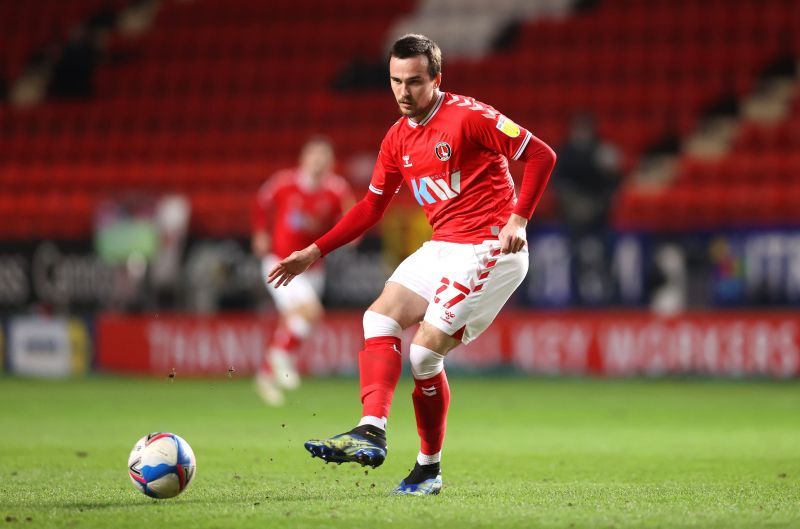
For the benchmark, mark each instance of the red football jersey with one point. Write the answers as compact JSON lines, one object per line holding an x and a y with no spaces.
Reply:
{"x":296,"y":215}
{"x":455,"y":161}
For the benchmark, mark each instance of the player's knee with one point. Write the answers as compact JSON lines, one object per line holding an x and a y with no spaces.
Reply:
{"x":435,"y":339}
{"x":376,"y":324}
{"x":425,"y":363}
{"x":311,"y":311}
{"x":298,"y":325}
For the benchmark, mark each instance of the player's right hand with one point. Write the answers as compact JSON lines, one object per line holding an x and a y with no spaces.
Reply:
{"x":297,"y":263}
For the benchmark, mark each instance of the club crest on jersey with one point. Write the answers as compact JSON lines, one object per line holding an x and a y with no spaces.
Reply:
{"x":443,"y":151}
{"x":507,"y":127}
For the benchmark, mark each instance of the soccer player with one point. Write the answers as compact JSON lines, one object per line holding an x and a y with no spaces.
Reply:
{"x":452,"y":151}
{"x":294,"y":205}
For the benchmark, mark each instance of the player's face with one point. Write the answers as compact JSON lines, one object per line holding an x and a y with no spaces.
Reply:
{"x":412,"y":85}
{"x":316,"y":159}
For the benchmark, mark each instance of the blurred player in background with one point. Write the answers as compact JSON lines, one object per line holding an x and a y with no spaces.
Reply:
{"x":297,"y":204}
{"x":453,"y":153}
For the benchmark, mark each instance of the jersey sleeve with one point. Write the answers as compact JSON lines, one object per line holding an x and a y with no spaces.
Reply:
{"x":496,"y":132}
{"x":343,"y":194}
{"x":346,"y":202}
{"x":386,"y":180}
{"x":365,"y":214}
{"x":540,"y":160}
{"x":386,"y":176}
{"x":259,"y":218}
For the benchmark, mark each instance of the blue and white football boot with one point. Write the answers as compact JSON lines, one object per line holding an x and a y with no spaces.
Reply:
{"x":424,"y":480}
{"x":364,"y":444}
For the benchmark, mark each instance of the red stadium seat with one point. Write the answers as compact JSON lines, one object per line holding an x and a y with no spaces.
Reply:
{"x":219,"y":93}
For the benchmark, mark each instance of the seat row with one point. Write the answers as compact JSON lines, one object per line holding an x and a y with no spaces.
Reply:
{"x":712,"y":207}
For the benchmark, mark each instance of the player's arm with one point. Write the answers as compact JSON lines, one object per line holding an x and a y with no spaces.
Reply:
{"x":361,"y":217}
{"x":260,"y":243}
{"x":503,"y":136}
{"x":365,"y":214}
{"x":346,"y":202}
{"x":260,"y":240}
{"x":346,"y":199}
{"x":540,"y":160}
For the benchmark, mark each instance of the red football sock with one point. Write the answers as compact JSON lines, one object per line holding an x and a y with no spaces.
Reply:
{"x":431,"y":400}
{"x":379,"y":368}
{"x":285,"y":339}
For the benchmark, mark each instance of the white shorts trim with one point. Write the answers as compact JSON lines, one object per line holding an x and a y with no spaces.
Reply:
{"x":466,"y":285}
{"x":302,"y":290}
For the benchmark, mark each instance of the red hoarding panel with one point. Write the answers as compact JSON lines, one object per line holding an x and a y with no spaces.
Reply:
{"x":212,"y":345}
{"x":122,"y":345}
{"x":624,"y":344}
{"x":612,"y":344}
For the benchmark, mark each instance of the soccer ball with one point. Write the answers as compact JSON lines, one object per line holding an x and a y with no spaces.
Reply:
{"x":161,"y":465}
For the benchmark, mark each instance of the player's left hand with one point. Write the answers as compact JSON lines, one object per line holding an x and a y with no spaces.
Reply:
{"x":297,"y":263}
{"x":512,"y":237}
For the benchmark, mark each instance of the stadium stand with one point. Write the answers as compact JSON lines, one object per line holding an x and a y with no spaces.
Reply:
{"x":470,"y":28}
{"x":754,"y":185}
{"x":218,"y":94}
{"x":36,"y":24}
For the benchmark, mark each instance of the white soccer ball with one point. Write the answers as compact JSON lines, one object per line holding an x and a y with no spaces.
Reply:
{"x":161,"y":465}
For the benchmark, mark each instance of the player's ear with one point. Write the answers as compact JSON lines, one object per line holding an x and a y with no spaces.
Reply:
{"x":437,"y":81}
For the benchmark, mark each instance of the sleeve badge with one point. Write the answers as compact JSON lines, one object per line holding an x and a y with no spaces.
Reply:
{"x":507,"y":127}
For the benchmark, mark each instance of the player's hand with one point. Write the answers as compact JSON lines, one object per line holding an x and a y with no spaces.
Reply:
{"x":512,"y":236}
{"x":295,"y":264}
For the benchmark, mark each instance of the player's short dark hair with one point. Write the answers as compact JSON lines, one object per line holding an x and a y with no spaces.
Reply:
{"x":413,"y":44}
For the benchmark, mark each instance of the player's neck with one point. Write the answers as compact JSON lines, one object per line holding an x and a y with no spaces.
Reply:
{"x":308,"y":181}
{"x":427,"y":110}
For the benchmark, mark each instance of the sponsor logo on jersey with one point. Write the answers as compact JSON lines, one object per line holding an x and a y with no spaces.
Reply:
{"x":431,"y":189}
{"x":507,"y":127}
{"x":443,"y":151}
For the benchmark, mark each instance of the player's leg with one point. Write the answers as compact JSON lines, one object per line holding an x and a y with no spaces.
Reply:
{"x":299,"y":306}
{"x":396,"y":309}
{"x":293,"y":329}
{"x":379,"y":369}
{"x":402,"y":303}
{"x":431,"y":397}
{"x":471,"y":292}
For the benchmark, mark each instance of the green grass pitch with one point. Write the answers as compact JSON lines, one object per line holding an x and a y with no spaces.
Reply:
{"x":519,"y":453}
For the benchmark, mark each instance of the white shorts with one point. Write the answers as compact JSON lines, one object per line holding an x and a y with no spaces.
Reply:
{"x":466,"y":285}
{"x":303,"y":289}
